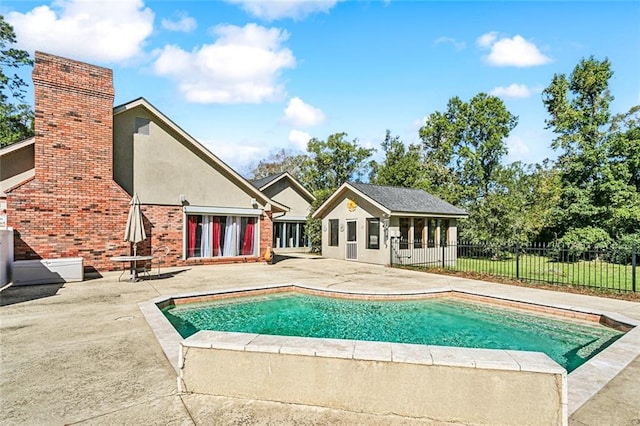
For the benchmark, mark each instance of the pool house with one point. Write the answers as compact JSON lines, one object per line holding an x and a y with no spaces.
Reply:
{"x":385,"y":224}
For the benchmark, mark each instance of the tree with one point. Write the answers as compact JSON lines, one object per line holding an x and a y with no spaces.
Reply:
{"x":619,"y":190}
{"x":402,"y":166}
{"x":329,"y":164}
{"x":277,"y":162}
{"x":518,"y":208}
{"x":333,"y":162}
{"x":599,"y":158}
{"x":464,"y":147}
{"x":16,"y":117}
{"x":464,"y":150}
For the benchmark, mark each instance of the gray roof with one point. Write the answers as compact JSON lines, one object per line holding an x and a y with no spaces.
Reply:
{"x":407,"y":200}
{"x":260,"y":183}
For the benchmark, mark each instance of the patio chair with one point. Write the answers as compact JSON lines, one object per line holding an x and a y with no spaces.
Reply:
{"x":159,"y":253}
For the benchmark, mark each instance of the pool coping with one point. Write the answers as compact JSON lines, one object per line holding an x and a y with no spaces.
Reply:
{"x":582,"y":384}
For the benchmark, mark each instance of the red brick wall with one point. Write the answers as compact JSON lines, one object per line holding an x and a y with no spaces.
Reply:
{"x":72,"y":208}
{"x":164,"y":228}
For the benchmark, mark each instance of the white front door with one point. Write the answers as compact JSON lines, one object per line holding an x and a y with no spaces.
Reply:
{"x":352,"y":240}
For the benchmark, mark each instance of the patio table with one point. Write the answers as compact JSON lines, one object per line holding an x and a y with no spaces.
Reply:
{"x":133,"y":260}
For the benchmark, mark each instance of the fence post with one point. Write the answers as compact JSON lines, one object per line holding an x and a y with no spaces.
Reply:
{"x":443,"y":251}
{"x":517,"y":260}
{"x":633,"y":267}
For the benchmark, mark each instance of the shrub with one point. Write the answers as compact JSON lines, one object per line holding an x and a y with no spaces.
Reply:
{"x":579,"y":243}
{"x":621,"y":250}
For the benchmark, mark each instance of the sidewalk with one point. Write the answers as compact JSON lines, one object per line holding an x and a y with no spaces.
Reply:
{"x":82,"y":353}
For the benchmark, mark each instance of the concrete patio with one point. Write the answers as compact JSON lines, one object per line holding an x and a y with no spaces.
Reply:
{"x":82,"y":353}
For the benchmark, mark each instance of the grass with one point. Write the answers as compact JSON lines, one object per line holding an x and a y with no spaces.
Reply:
{"x":595,"y":274}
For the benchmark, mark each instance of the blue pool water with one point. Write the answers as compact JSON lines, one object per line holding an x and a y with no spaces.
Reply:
{"x":440,"y":321}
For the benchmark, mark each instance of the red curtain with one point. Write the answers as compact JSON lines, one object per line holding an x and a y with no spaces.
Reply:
{"x":216,"y":236}
{"x":247,"y":244}
{"x":191,"y":238}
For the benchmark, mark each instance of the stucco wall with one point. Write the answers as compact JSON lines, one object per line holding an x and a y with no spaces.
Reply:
{"x":285,"y":194}
{"x":463,"y":386}
{"x":161,"y":166}
{"x":340,"y":210}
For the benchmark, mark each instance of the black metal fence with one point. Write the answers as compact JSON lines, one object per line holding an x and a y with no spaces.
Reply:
{"x":612,"y":268}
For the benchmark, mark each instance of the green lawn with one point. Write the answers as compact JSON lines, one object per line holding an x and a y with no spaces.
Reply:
{"x":594,"y":274}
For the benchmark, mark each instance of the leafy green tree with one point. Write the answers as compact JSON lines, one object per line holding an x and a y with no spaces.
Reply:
{"x":619,"y":189}
{"x":333,"y":162}
{"x":279,"y":161}
{"x":402,"y":166}
{"x":464,"y":151}
{"x":16,"y":117}
{"x":465,"y":146}
{"x":518,"y":207}
{"x":329,"y":164}
{"x":599,"y":158}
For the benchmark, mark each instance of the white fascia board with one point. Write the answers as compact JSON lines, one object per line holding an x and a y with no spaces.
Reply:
{"x":425,"y":214}
{"x":343,"y":189}
{"x":287,"y":218}
{"x":224,"y":211}
{"x":294,"y":181}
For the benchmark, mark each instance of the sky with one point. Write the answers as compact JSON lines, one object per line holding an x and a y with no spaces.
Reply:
{"x":247,"y":78}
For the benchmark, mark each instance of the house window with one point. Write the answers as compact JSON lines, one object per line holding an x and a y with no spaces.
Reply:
{"x":418,"y":233}
{"x":221,"y":236}
{"x":288,"y":234}
{"x":142,"y":126}
{"x":373,"y":233}
{"x":333,"y":232}
{"x":405,"y":223}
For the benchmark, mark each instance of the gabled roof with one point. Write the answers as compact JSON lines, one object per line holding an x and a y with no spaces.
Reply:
{"x":266,"y":182}
{"x":395,"y":200}
{"x":142,"y":102}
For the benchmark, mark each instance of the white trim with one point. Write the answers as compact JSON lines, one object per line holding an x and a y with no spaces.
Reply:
{"x":184,"y":235}
{"x":292,"y":180}
{"x":227,"y":211}
{"x":318,"y":214}
{"x":7,"y":149}
{"x":288,"y":218}
{"x":256,"y":235}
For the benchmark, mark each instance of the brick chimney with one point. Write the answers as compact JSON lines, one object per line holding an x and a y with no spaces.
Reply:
{"x":74,"y":122}
{"x":72,"y":208}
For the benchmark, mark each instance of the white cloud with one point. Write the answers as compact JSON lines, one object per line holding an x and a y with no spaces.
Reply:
{"x":487,"y":39}
{"x":516,"y":51}
{"x":512,"y":91}
{"x":242,"y":65}
{"x":418,"y":123}
{"x":458,"y":45}
{"x":276,"y":9}
{"x":231,"y":154}
{"x":518,"y":149}
{"x":299,"y":114}
{"x":299,"y":139}
{"x":185,"y":23}
{"x":99,"y":31}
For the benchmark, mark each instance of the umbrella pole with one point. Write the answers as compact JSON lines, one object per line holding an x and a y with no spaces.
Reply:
{"x":135,"y":263}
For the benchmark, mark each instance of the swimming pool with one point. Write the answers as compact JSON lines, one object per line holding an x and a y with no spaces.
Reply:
{"x":442,"y":321}
{"x":455,"y":384}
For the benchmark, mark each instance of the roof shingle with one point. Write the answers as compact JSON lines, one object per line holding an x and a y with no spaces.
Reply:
{"x":407,"y":200}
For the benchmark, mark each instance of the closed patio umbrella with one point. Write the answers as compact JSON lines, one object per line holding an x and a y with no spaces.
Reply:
{"x":134,"y":232}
